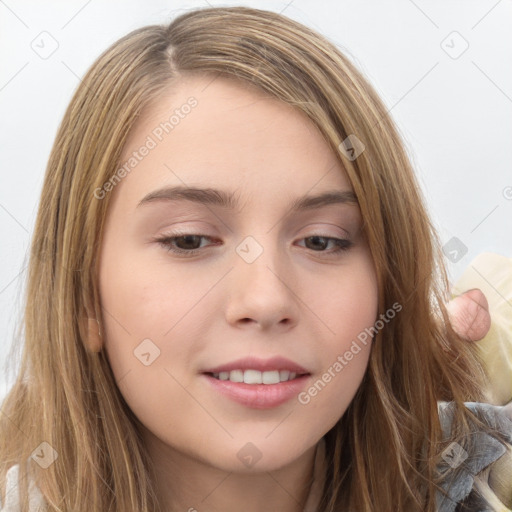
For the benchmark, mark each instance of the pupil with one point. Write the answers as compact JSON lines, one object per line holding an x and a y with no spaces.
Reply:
{"x":189,"y":239}
{"x":316,"y":239}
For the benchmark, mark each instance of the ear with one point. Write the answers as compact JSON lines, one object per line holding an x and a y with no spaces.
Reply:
{"x":90,"y":332}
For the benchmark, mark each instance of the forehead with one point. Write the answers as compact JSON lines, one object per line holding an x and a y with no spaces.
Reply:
{"x":209,"y":131}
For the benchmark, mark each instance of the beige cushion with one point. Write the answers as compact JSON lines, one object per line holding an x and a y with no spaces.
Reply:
{"x":492,"y":273}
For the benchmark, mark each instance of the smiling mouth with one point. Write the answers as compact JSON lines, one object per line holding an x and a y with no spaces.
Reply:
{"x":256,"y":376}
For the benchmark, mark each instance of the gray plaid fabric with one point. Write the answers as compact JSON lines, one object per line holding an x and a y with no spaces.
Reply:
{"x":464,"y":462}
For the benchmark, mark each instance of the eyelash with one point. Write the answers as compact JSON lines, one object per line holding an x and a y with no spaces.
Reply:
{"x":342,"y":244}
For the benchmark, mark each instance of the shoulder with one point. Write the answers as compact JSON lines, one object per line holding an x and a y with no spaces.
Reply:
{"x":12,"y":496}
{"x":476,"y":472}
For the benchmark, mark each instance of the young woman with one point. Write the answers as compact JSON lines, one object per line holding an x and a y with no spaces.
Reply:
{"x":235,"y":296}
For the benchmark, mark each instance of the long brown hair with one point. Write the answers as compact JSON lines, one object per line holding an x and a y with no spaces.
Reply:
{"x":382,"y":453}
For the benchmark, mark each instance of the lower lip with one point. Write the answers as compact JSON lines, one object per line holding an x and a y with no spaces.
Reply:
{"x":259,"y":396}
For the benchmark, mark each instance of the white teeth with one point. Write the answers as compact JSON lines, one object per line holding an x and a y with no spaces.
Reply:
{"x":236,"y":376}
{"x":256,"y":377}
{"x":270,"y":377}
{"x":252,"y":377}
{"x":284,"y":374}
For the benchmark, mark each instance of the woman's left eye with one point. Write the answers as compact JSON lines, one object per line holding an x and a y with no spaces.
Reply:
{"x":340,"y":244}
{"x":190,"y":244}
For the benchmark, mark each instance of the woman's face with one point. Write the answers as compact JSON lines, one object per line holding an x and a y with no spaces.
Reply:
{"x":261,"y":282}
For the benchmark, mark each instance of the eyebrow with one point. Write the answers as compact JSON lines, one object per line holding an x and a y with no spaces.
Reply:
{"x":216,"y":197}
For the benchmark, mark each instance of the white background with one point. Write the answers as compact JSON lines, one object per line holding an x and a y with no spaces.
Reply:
{"x":454,"y":113}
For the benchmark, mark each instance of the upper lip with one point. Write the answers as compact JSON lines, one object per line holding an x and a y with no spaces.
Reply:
{"x":253,"y":363}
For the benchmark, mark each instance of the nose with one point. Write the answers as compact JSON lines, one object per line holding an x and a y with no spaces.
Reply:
{"x":261,"y":292}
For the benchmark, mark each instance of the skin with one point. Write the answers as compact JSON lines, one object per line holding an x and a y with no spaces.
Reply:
{"x":298,"y":299}
{"x":469,"y":315}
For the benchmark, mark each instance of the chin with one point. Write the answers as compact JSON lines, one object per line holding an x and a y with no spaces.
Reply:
{"x":258,"y":456}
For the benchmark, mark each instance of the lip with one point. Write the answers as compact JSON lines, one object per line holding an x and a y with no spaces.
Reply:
{"x":258,"y":396}
{"x":263,"y":365}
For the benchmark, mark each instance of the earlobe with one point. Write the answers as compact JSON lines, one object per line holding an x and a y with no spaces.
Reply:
{"x":90,"y":328}
{"x":94,"y":338}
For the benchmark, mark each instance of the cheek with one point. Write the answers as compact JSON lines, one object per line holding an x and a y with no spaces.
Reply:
{"x":346,"y":304}
{"x":151,"y":316}
{"x":140,"y":316}
{"x":349,"y":311}
{"x":136,"y":311}
{"x":331,"y":390}
{"x":141,"y":298}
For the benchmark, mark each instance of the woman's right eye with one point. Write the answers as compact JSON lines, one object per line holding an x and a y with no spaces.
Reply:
{"x":188,"y":244}
{"x":172,"y":243}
